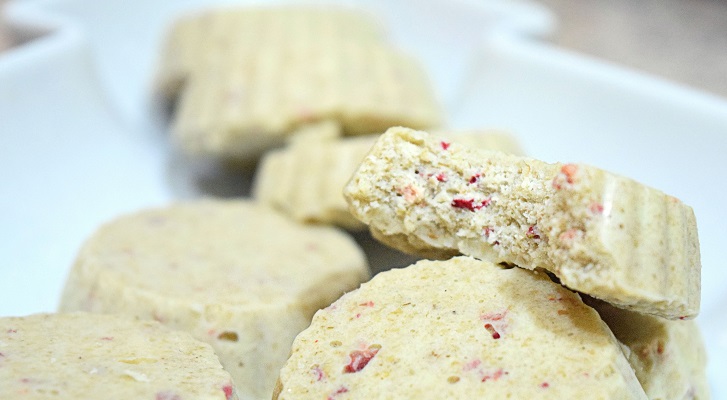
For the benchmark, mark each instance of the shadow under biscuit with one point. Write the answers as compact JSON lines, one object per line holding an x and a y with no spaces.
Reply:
{"x":190,"y":177}
{"x":380,"y":256}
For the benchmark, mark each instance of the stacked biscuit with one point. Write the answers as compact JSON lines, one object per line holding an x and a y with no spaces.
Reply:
{"x":469,"y":328}
{"x":234,"y":274}
{"x":599,"y":233}
{"x":551,"y":280}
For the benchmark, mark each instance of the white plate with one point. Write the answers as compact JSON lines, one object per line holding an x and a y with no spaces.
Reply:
{"x":81,"y":141}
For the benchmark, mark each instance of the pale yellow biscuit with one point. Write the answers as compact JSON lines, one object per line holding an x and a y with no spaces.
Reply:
{"x":458,"y":329}
{"x":599,"y":233}
{"x":90,"y":356}
{"x":178,"y":57}
{"x":235,"y":115}
{"x":241,"y":97}
{"x":305,"y":180}
{"x":485,"y":139}
{"x":668,"y":356}
{"x":324,"y":130}
{"x":234,"y":274}
{"x":199,"y":37}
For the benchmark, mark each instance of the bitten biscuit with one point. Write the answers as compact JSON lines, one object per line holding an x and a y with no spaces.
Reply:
{"x":293,"y":67}
{"x":305,"y":180}
{"x":458,"y":329}
{"x":234,"y":274}
{"x":599,"y":233}
{"x":668,"y":357}
{"x":91,"y":356}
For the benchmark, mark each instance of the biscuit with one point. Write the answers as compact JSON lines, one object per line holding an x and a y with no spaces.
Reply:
{"x":291,"y":67}
{"x":196,"y":38}
{"x":668,"y":357}
{"x":92,"y":356}
{"x":599,"y":233}
{"x":485,"y":139}
{"x":305,"y":180}
{"x":234,"y":274}
{"x":324,"y":130}
{"x":458,"y":329}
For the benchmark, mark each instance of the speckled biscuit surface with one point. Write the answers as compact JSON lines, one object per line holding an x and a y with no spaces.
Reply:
{"x":458,"y":329}
{"x":305,"y":180}
{"x":289,"y":67}
{"x":600,"y":233}
{"x":79,"y":356}
{"x":233,"y":273}
{"x":668,"y":357}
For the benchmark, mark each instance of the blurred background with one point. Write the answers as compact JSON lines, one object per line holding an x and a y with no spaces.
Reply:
{"x":681,"y":40}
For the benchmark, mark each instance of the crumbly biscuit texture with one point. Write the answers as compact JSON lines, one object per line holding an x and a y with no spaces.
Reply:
{"x":458,"y":329}
{"x":234,"y":274}
{"x":669,"y":357}
{"x":599,"y":233}
{"x":305,"y":180}
{"x":92,"y":356}
{"x":485,"y":139}
{"x":293,"y":67}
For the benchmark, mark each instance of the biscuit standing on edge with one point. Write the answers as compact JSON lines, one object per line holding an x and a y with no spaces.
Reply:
{"x":458,"y":329}
{"x":599,"y":233}
{"x":90,"y":356}
{"x":668,"y":357}
{"x":198,"y":36}
{"x":305,"y":179}
{"x":254,"y":76}
{"x":234,"y":274}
